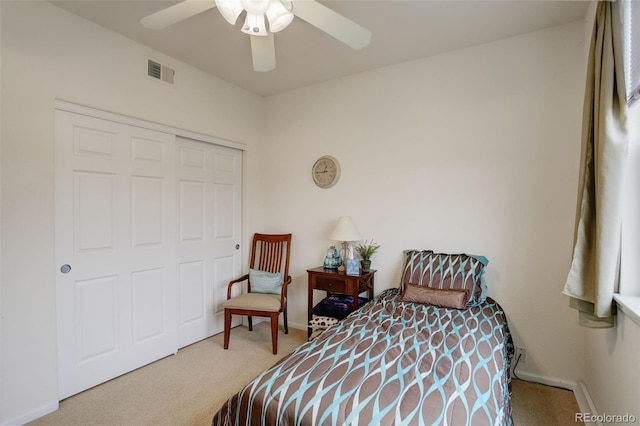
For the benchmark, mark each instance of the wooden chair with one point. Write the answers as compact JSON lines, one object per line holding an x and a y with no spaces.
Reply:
{"x":269,"y":253}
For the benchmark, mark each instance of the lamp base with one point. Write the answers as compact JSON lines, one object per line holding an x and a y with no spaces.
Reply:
{"x":344,"y":253}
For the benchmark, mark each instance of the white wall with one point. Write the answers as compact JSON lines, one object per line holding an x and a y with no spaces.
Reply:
{"x":475,"y":150}
{"x":611,"y":369}
{"x":49,"y":54}
{"x":630,"y":267}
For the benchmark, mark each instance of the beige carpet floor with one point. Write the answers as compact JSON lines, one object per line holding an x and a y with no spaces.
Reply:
{"x":185,"y":389}
{"x":535,"y":404}
{"x":188,"y":388}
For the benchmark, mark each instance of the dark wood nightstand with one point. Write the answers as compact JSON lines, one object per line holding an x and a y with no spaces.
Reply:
{"x":332,"y":281}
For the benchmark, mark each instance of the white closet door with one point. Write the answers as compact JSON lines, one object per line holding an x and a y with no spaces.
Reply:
{"x":147,"y":232}
{"x":209,"y":202}
{"x":115,"y":249}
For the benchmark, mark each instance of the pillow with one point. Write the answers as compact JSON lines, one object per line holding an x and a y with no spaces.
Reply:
{"x":446,"y":271}
{"x":336,"y":306}
{"x":319,"y":324}
{"x":456,"y":299}
{"x":322,"y":323}
{"x":265,"y":282}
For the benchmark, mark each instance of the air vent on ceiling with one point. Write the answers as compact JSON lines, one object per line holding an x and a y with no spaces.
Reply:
{"x":159,"y":71}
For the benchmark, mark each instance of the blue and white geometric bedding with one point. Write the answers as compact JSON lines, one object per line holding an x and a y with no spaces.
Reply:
{"x":389,"y":363}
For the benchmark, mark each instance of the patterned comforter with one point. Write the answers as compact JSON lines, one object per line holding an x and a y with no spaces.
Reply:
{"x":389,"y":363}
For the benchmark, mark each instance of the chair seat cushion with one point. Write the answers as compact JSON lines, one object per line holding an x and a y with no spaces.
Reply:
{"x":255,"y":301}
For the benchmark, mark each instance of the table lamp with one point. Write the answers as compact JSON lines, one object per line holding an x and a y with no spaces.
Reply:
{"x":345,"y":230}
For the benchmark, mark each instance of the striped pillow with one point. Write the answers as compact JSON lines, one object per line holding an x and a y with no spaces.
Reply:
{"x":446,"y":271}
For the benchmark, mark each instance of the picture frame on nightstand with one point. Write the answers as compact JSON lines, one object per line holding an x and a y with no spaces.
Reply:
{"x":352,"y":267}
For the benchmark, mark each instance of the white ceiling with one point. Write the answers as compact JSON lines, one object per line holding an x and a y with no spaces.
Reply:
{"x":402,"y":31}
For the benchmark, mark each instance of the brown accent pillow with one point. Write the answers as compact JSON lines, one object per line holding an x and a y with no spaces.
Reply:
{"x":446,"y":272}
{"x":442,"y":298}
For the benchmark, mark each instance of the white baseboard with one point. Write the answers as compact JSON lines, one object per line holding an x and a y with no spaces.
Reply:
{"x":258,"y":320}
{"x":585,"y":402}
{"x":36,"y":414}
{"x":298,"y":326}
{"x":550,"y":381}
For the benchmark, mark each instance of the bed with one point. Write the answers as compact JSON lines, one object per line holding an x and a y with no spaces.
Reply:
{"x":435,"y":351}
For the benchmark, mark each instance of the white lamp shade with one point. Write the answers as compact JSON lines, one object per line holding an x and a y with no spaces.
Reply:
{"x":345,"y":230}
{"x":278,"y":15}
{"x":230,"y":10}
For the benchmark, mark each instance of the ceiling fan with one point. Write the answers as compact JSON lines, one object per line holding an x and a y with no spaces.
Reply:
{"x":278,"y":13}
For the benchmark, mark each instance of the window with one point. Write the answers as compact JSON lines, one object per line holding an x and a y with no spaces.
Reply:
{"x":631,"y":25}
{"x":629,"y":297}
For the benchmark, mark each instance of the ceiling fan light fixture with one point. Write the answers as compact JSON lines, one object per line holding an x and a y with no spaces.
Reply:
{"x":256,"y":7}
{"x":278,"y":12}
{"x":230,"y":10}
{"x":254,"y":25}
{"x":279,"y":16}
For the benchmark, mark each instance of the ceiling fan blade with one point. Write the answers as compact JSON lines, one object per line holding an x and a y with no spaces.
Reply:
{"x":263,"y":52}
{"x":332,"y":23}
{"x":176,"y":13}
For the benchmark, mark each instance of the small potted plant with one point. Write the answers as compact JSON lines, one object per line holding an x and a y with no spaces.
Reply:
{"x":365,"y":251}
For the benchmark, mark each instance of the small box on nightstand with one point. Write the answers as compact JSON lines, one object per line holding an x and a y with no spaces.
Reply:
{"x":352,"y":267}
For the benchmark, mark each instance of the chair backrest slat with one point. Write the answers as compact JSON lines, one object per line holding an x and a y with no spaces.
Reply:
{"x":271,"y":252}
{"x":271,"y":257}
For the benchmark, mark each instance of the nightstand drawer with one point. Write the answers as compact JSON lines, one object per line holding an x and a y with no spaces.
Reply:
{"x":328,"y":284}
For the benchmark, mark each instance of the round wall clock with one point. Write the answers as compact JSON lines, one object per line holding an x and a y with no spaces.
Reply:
{"x":326,"y":171}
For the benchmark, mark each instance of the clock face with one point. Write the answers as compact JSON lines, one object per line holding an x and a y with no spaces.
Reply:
{"x":326,"y":171}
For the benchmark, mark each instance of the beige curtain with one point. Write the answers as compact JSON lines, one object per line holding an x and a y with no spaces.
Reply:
{"x":595,"y":267}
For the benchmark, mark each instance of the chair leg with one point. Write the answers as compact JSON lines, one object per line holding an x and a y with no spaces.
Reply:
{"x":227,"y":327}
{"x":250,"y":323}
{"x":286,"y":326}
{"x":274,"y":332}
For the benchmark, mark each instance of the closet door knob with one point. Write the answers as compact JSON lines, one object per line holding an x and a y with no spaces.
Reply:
{"x":65,"y":269}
